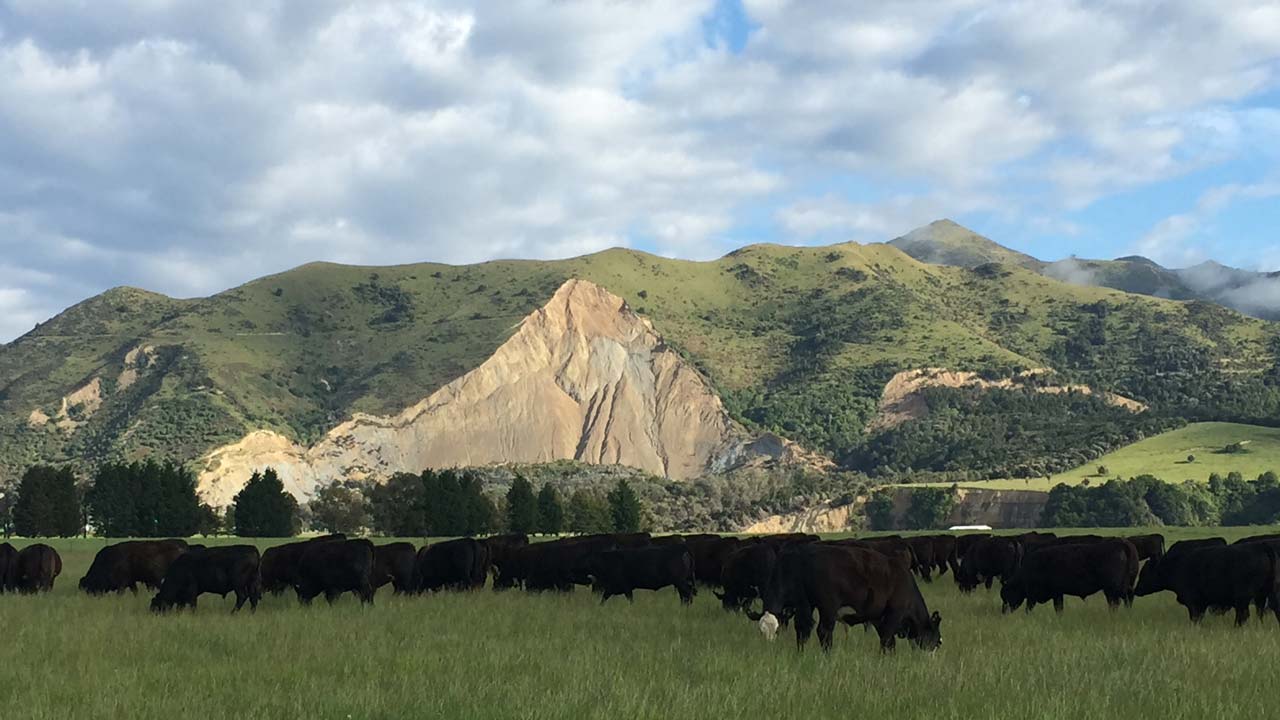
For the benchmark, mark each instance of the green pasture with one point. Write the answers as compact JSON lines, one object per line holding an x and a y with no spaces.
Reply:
{"x":512,"y":655}
{"x":1166,"y":456}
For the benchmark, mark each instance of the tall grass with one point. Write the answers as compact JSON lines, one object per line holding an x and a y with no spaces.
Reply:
{"x":487,"y":655}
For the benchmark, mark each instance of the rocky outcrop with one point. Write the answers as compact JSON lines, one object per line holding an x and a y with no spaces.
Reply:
{"x":902,"y":400}
{"x":582,"y":378}
{"x":76,"y":408}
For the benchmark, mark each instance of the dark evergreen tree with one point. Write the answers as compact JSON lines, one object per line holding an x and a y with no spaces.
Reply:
{"x":550,"y":512}
{"x":264,"y":509}
{"x":588,"y":513}
{"x":398,"y":507}
{"x":522,"y":507}
{"x":624,"y":508}
{"x":47,"y":503}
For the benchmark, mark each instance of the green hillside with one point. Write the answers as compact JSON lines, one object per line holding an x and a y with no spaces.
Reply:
{"x":798,"y":340}
{"x":1166,"y":456}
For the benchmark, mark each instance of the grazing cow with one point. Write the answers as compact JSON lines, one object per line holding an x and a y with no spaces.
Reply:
{"x":1032,"y":540}
{"x":393,"y":564}
{"x":123,"y":566}
{"x":34,"y":569}
{"x":945,"y":554}
{"x":879,"y":592}
{"x":709,"y":556}
{"x":217,"y":570}
{"x":986,"y":560}
{"x":746,"y":574}
{"x":333,"y":568}
{"x":1051,"y":573}
{"x":621,"y":572}
{"x":461,"y":564}
{"x":1273,"y":540}
{"x":1217,"y":577}
{"x":280,"y":563}
{"x":1150,"y":547}
{"x":502,"y":547}
{"x":8,"y":557}
{"x":964,"y":542}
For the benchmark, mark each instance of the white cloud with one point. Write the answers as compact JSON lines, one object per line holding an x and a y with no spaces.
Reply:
{"x":187,"y":146}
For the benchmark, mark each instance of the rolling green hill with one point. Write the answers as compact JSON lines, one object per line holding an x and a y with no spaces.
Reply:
{"x":1166,"y":457}
{"x":800,"y":341}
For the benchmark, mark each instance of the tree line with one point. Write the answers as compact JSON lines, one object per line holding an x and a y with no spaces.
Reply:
{"x":153,"y":499}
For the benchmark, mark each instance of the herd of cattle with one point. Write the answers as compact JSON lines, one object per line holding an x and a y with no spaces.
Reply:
{"x":868,"y":581}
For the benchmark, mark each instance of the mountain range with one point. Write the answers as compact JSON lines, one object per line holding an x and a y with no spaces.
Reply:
{"x":876,"y":358}
{"x":1252,"y":293}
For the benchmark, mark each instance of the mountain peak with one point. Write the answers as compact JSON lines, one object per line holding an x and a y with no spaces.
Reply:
{"x":946,"y":242}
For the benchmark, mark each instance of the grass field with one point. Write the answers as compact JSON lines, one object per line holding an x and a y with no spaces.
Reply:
{"x":513,"y":655}
{"x":1165,"y":456}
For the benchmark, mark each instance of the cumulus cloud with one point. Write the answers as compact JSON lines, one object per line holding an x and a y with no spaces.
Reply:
{"x":188,"y":146}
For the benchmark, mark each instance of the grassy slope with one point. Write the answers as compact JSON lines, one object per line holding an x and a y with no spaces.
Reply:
{"x":300,"y":351}
{"x":1165,"y":456}
{"x":511,"y":655}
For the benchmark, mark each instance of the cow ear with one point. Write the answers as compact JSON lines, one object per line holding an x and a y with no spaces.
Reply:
{"x":936,"y":619}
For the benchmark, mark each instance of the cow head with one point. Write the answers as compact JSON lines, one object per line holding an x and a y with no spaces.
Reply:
{"x":929,"y":635}
{"x":1012,"y":595}
{"x":1151,"y":579}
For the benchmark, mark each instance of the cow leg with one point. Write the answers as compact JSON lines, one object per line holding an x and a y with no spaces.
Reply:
{"x":1113,"y":600}
{"x":826,"y":629}
{"x":1058,"y":604}
{"x":366,"y":594}
{"x":1242,"y":614}
{"x":331,"y":596}
{"x":887,"y":628}
{"x":631,"y":598}
{"x":804,"y":627}
{"x":925,"y":576}
{"x":240,"y":601}
{"x":990,"y":581}
{"x":604,"y":597}
{"x":686,"y":593}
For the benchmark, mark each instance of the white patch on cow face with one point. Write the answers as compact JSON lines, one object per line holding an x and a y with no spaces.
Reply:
{"x":769,"y":626}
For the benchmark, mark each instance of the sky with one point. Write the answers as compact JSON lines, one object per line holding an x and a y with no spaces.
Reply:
{"x":186,"y":147}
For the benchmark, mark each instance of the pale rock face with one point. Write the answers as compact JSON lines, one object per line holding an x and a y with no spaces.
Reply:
{"x":582,"y":378}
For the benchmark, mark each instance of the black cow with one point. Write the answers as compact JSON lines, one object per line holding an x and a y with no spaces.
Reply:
{"x":1150,"y":547}
{"x":280,"y":563}
{"x":964,"y":542}
{"x":1051,"y":573}
{"x":746,"y":574}
{"x":923,"y":548}
{"x":461,"y":564}
{"x":621,"y":572}
{"x":1217,"y":577}
{"x":334,"y":568}
{"x":1032,"y":540}
{"x":988,"y":559}
{"x":123,"y":566}
{"x":217,"y":570}
{"x":829,"y":579}
{"x":8,"y":558}
{"x":709,"y":556}
{"x":34,"y":569}
{"x":393,"y":563}
{"x":502,"y":547}
{"x":945,"y":555}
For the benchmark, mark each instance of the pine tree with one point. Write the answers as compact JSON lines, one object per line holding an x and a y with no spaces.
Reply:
{"x":264,"y":509}
{"x":624,"y":508}
{"x":522,"y":507}
{"x":550,"y":512}
{"x":588,"y":513}
{"x":47,"y":504}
